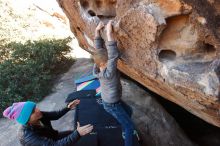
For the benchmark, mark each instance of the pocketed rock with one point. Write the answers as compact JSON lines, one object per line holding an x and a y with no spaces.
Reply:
{"x":166,"y":45}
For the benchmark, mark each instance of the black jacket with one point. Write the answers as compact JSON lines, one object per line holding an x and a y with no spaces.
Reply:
{"x":46,"y":135}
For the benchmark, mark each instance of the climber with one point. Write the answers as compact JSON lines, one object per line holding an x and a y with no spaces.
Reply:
{"x":36,"y":127}
{"x":105,"y":68}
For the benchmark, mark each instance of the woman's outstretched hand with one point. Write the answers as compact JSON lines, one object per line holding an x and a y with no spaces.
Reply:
{"x":73,"y":104}
{"x":84,"y":129}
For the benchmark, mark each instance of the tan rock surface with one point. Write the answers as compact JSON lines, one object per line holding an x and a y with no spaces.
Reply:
{"x":166,"y":45}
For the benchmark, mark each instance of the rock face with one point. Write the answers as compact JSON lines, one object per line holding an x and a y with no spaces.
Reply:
{"x":156,"y":127}
{"x":166,"y":45}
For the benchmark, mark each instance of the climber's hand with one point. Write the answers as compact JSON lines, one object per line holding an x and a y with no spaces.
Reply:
{"x":109,"y":29}
{"x":100,"y":26}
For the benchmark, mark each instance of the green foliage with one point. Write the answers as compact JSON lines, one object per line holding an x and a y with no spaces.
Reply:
{"x":27,"y":70}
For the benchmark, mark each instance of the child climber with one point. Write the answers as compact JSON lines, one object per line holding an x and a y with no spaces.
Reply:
{"x":105,"y":68}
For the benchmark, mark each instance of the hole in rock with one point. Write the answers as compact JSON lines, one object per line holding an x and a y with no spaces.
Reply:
{"x":78,"y":28}
{"x":100,"y":16}
{"x":105,"y":10}
{"x":103,"y":18}
{"x":209,"y":49}
{"x":168,"y":55}
{"x":91,"y":13}
{"x":84,"y":4}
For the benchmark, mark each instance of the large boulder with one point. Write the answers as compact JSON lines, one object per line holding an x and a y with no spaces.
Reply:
{"x":167,"y":45}
{"x":156,"y":127}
